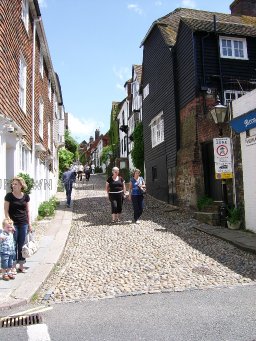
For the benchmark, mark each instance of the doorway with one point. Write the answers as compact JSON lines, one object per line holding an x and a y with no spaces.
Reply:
{"x":212,"y":186}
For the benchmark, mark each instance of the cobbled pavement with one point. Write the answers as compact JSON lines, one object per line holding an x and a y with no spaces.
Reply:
{"x":162,"y":254}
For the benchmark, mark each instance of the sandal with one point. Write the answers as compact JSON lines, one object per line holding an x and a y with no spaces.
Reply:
{"x":23,"y":271}
{"x":6,"y":277}
{"x":11,"y":276}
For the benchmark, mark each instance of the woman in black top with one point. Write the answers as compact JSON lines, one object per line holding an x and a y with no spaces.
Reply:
{"x":115,"y":187}
{"x":16,"y":207}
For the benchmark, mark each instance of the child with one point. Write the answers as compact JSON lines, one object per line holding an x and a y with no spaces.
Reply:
{"x":7,"y":249}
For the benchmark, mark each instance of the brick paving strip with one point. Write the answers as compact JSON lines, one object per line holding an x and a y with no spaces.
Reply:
{"x":164,"y":253}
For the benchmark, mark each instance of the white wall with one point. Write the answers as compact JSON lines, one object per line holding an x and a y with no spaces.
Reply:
{"x":241,"y":106}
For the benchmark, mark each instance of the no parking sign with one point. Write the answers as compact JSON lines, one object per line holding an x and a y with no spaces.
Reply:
{"x":223,"y":158}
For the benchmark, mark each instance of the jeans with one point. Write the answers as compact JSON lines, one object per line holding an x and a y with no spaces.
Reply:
{"x":68,"y":189}
{"x":19,"y":238}
{"x":137,"y":202}
{"x":6,"y":261}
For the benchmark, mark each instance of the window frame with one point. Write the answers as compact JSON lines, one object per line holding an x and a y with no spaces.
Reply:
{"x":235,"y":92}
{"x":49,"y":89}
{"x":22,"y":83}
{"x":41,"y":118}
{"x":41,"y":62}
{"x":145,"y":91}
{"x":157,"y":129}
{"x":233,"y":39}
{"x":25,"y":13}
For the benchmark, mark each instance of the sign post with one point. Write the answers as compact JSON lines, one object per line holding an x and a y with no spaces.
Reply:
{"x":223,"y":158}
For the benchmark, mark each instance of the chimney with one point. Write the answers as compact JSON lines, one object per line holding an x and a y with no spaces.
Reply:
{"x":243,"y":7}
{"x":97,"y":134}
{"x":91,"y":139}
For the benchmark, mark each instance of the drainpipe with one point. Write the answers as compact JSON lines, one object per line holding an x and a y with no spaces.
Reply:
{"x":33,"y":96}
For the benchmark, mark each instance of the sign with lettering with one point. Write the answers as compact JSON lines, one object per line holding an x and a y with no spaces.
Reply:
{"x":250,"y":140}
{"x":223,"y":158}
{"x":244,"y":122}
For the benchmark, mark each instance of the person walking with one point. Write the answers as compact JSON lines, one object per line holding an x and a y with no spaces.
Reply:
{"x":7,"y":250}
{"x":68,"y":178}
{"x":87,"y":172}
{"x":115,"y":188}
{"x":16,"y":208}
{"x":136,"y":189}
{"x":80,"y":172}
{"x":93,"y":168}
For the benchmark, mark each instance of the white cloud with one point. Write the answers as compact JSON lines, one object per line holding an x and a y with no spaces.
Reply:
{"x":42,"y":3}
{"x":188,"y":3}
{"x":136,"y":8}
{"x":158,"y":3}
{"x":82,"y":129}
{"x":123,"y":74}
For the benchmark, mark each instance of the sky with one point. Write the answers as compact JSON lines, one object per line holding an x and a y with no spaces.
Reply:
{"x":93,"y":45}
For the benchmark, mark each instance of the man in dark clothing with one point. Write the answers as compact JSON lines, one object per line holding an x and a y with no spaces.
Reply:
{"x":68,"y":178}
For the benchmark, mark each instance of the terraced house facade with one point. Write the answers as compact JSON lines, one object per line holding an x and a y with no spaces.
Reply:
{"x":31,"y":105}
{"x":191,"y":57}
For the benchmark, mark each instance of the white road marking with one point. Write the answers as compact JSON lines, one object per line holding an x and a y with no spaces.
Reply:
{"x":38,"y":332}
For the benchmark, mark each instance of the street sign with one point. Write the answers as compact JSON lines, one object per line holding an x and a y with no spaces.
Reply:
{"x":223,"y":158}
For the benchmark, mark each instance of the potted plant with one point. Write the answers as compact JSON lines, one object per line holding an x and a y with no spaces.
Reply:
{"x":234,"y":217}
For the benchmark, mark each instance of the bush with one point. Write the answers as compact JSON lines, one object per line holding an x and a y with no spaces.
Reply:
{"x":47,"y":208}
{"x":98,"y":170}
{"x":203,"y":202}
{"x":29,"y":181}
{"x":234,"y":214}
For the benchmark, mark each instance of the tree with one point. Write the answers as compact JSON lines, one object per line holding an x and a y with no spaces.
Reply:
{"x":65,"y":160}
{"x":138,"y":148}
{"x":71,"y":144}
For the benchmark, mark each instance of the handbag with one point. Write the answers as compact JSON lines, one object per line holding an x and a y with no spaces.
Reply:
{"x":143,"y":190}
{"x":30,"y":247}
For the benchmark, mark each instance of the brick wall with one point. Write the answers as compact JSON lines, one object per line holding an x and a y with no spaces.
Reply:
{"x":196,"y":127}
{"x":16,"y":41}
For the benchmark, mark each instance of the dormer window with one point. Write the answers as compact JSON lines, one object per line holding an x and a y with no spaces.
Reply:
{"x":233,"y":48}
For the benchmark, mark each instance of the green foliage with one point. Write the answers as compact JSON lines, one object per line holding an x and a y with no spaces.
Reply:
{"x":203,"y":202}
{"x":137,"y":152}
{"x":106,"y":151}
{"x":98,"y":169}
{"x":113,"y":131}
{"x":125,"y":174}
{"x":82,"y":159}
{"x":71,"y":144}
{"x":65,"y":160}
{"x":47,"y":208}
{"x":234,"y":214}
{"x":29,"y":181}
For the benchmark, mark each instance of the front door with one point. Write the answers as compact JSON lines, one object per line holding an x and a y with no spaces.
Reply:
{"x":212,"y":186}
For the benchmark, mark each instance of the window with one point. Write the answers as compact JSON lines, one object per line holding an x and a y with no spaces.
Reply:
{"x":157,"y":130}
{"x":49,"y":135}
{"x":230,"y":95}
{"x":24,"y":13}
{"x":41,"y":119}
{"x":146,"y":91}
{"x":154,"y":173}
{"x":49,"y":89}
{"x":234,"y":48}
{"x":41,"y":63}
{"x":22,"y":84}
{"x":24,"y":158}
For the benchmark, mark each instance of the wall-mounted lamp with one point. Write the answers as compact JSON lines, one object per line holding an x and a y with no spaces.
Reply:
{"x":219,"y":112}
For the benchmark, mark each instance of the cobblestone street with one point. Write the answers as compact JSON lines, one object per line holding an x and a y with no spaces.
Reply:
{"x":164,"y":253}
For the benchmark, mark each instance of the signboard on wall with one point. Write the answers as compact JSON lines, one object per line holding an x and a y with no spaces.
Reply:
{"x":223,"y":158}
{"x":244,"y":122}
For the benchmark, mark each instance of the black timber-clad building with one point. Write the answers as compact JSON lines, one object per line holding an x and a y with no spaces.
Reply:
{"x":190,"y":58}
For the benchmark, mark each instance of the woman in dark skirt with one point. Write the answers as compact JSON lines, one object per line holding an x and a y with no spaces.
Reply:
{"x":115,"y":188}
